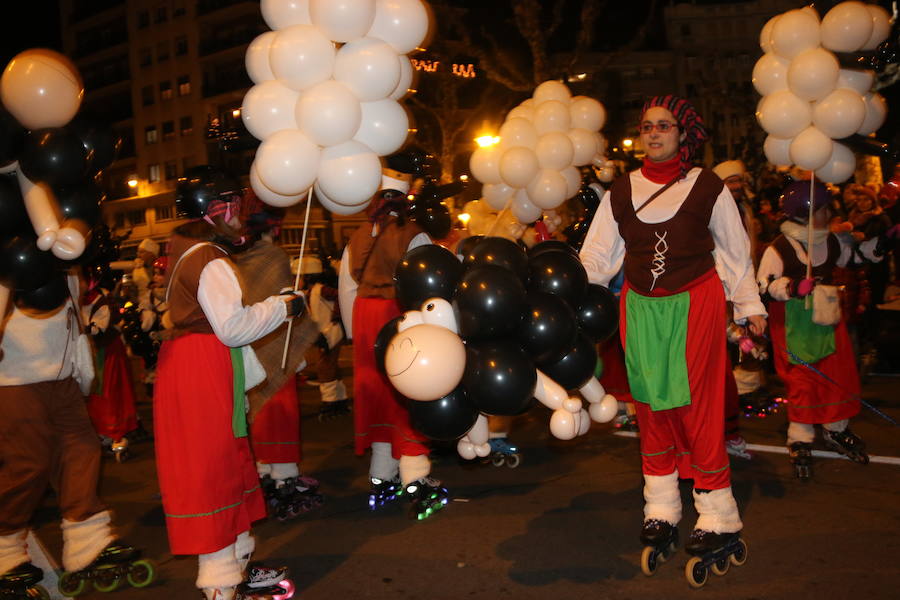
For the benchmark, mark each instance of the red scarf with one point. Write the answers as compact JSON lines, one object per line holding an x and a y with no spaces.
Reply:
{"x":662,"y":172}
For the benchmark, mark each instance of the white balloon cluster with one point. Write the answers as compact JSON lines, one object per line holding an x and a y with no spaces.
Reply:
{"x":542,"y":142}
{"x":328,"y":80}
{"x":808,"y":99}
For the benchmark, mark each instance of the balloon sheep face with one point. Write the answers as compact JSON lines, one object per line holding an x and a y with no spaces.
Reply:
{"x":426,"y":359}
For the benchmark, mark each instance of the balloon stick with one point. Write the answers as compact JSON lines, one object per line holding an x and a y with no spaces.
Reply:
{"x":287,"y":338}
{"x":493,"y":228}
{"x":809,"y":233}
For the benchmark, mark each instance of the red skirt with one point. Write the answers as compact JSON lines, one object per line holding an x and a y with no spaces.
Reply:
{"x":615,"y":376}
{"x":112,"y":410}
{"x":378,"y":409}
{"x":275,"y":432}
{"x":210,"y":489}
{"x":810,"y":397}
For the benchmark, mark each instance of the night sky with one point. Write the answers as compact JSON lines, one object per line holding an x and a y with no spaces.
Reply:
{"x":36,"y":25}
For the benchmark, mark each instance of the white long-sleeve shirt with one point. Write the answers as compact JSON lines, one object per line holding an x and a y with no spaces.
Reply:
{"x":603,"y":251}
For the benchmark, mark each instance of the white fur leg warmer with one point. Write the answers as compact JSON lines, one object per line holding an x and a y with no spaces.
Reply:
{"x":243,"y":548}
{"x":837,"y":425}
{"x":413,"y":468}
{"x":13,"y":550}
{"x":219,"y":569}
{"x":718,"y":511}
{"x":84,"y":540}
{"x":801,"y":432}
{"x":281,"y":471}
{"x":383,"y":465}
{"x":662,"y":500}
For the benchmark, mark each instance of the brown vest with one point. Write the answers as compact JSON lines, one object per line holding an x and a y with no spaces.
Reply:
{"x":667,"y":256}
{"x":373,"y":260}
{"x":184,"y":308}
{"x":795,"y":269}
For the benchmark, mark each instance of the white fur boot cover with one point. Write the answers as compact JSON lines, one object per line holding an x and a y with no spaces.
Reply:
{"x":413,"y":468}
{"x":282,"y":471}
{"x":13,"y":550}
{"x":219,"y":569}
{"x":84,"y":540}
{"x":718,"y":511}
{"x":662,"y":500}
{"x":243,"y":549}
{"x":384,"y":465}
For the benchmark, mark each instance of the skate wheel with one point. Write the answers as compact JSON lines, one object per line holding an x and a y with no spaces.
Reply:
{"x":141,"y":573}
{"x":498,"y":460}
{"x":513,"y":461}
{"x":107,"y":580}
{"x":720,"y":567}
{"x":121,"y":457}
{"x":38,"y":592}
{"x":695,"y":572}
{"x":863,"y":459}
{"x":739,"y":556}
{"x":71,"y":585}
{"x":649,"y":563}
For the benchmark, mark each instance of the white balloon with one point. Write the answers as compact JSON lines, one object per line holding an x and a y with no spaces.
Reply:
{"x":342,"y":20}
{"x":547,"y":190}
{"x":69,"y":243}
{"x":523,"y":209}
{"x":497,"y":194}
{"x":765,"y":35}
{"x":267,"y":195}
{"x":573,"y":405}
{"x":465,"y":449}
{"x":480,"y":432}
{"x":279,"y":14}
{"x":269,"y":107}
{"x":369,"y":67}
{"x":573,"y":181}
{"x":401,"y":23}
{"x":384,"y":127}
{"x":881,"y":26}
{"x":811,"y":149}
{"x":257,"y":58}
{"x":876,"y":113}
{"x":287,"y":161}
{"x":605,"y":410}
{"x":41,"y":88}
{"x":485,"y":165}
{"x":770,"y":73}
{"x":349,"y":173}
{"x":521,"y":112}
{"x":813,"y":74}
{"x":552,"y":115}
{"x":847,"y":27}
{"x":425,"y":362}
{"x":329,"y":113}
{"x":518,"y":166}
{"x":528,"y":103}
{"x":554,"y":150}
{"x":587,"y":113}
{"x":778,"y":150}
{"x":516,"y":132}
{"x":301,"y":57}
{"x":552,"y":90}
{"x":783,"y":114}
{"x":584,"y":146}
{"x":563,"y":425}
{"x":406,"y":79}
{"x":584,"y":421}
{"x":335,"y":207}
{"x":793,"y":32}
{"x":840,"y":166}
{"x":839,"y":114}
{"x":859,"y":80}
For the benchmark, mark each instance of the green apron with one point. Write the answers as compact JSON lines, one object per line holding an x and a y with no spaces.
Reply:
{"x":655,"y":346}
{"x":806,"y":340}
{"x":239,"y":412}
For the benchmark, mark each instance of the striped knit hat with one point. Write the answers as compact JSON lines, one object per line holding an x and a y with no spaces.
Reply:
{"x":690,"y":122}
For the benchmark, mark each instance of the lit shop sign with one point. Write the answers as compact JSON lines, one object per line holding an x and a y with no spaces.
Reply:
{"x":433,"y":66}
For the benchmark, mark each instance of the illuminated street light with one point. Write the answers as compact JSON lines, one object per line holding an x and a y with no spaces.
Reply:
{"x":464,"y":178}
{"x":628,"y":143}
{"x":236,"y":113}
{"x":132,"y":181}
{"x":486,"y":141}
{"x":464,"y":218}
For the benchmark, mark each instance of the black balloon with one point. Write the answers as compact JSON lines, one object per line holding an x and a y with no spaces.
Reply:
{"x":12,"y":136}
{"x":499,"y":377}
{"x":100,"y":142}
{"x":432,"y":216}
{"x":53,"y":156}
{"x":23,"y":266}
{"x":429,"y":271}
{"x":500,"y":252}
{"x":598,"y":314}
{"x":200,"y":186}
{"x":383,"y":339}
{"x":444,"y":419}
{"x":549,"y":245}
{"x":870,"y":146}
{"x":80,"y":202}
{"x":13,"y":217}
{"x":588,"y":198}
{"x":576,"y":232}
{"x":48,"y":297}
{"x":558,"y":273}
{"x":576,"y":367}
{"x":548,"y":328}
{"x":465,"y":245}
{"x":490,"y":302}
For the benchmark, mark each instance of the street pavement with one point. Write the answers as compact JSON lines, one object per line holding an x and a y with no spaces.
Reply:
{"x":563,"y":525}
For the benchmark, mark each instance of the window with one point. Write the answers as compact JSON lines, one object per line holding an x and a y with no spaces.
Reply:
{"x":164,"y":213}
{"x":181,"y":45}
{"x":184,"y":85}
{"x":171,"y":170}
{"x":186,"y":125}
{"x":145,"y":57}
{"x":137,"y":217}
{"x":168,"y":130}
{"x":119,"y":220}
{"x":153,"y":173}
{"x":162,"y":14}
{"x":147,"y":97}
{"x":178,"y":10}
{"x":150,"y":134}
{"x":165,"y":90}
{"x":143,"y":19}
{"x":162,"y":51}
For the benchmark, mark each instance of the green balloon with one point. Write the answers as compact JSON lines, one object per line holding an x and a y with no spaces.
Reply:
{"x":598,"y":370}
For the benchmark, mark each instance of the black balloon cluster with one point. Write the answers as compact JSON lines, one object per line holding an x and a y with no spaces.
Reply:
{"x":138,"y":341}
{"x":588,"y":199}
{"x":427,"y":208}
{"x":515,"y":312}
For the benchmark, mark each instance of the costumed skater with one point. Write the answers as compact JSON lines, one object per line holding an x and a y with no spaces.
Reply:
{"x":813,"y":353}
{"x":46,"y":438}
{"x":368,"y":301}
{"x":664,"y":221}
{"x":319,"y":283}
{"x":274,"y":405}
{"x":207,"y":476}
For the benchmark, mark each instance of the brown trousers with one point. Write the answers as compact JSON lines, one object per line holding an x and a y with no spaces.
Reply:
{"x":46,"y":437}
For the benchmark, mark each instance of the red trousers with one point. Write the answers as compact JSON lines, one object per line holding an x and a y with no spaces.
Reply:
{"x":112,"y":410}
{"x":275,"y":432}
{"x":615,"y":375}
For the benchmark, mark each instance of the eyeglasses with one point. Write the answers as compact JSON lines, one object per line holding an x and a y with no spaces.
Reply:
{"x":662,"y":127}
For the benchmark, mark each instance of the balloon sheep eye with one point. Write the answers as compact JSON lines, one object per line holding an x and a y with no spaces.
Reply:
{"x":430,"y":307}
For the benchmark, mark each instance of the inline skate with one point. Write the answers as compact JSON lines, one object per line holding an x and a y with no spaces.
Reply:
{"x":801,"y":459}
{"x":291,"y":497}
{"x":383,"y":491}
{"x":22,"y":583}
{"x":847,"y":443}
{"x":660,"y":539}
{"x":263,"y":583}
{"x":116,"y":562}
{"x":504,"y":453}
{"x":427,"y":496}
{"x":714,"y":552}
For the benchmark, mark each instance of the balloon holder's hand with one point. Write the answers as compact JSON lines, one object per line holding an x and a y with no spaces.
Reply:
{"x":296,"y":303}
